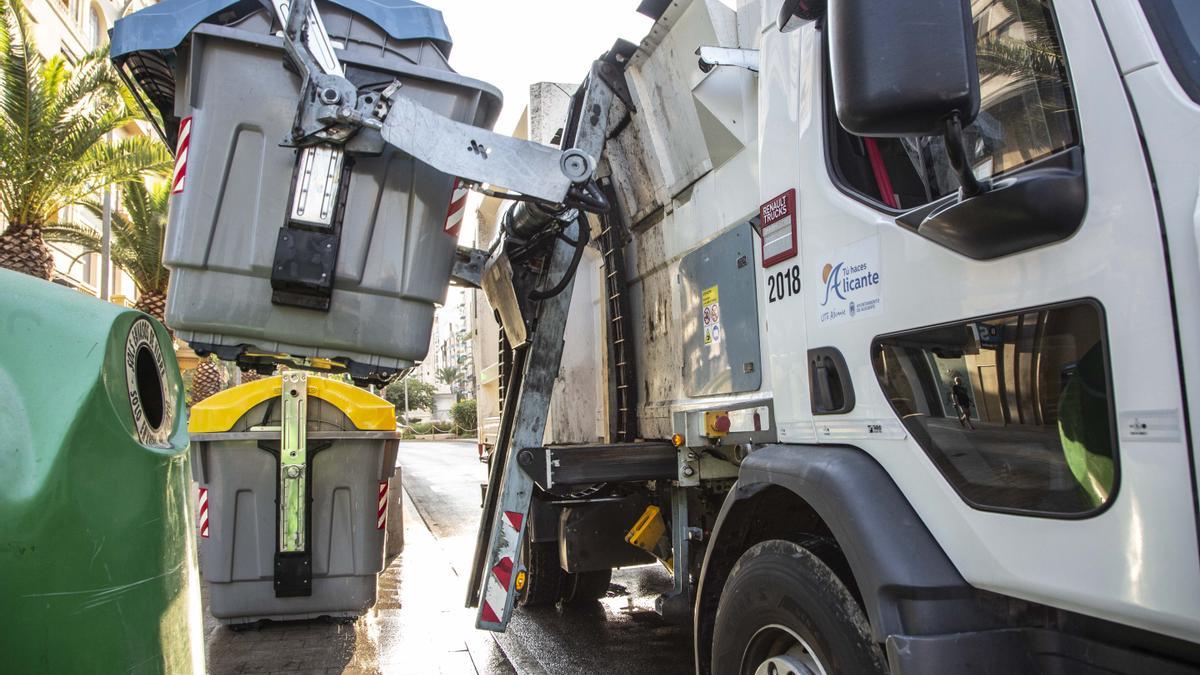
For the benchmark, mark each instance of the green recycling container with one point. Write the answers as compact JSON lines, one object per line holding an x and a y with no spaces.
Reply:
{"x":97,"y":562}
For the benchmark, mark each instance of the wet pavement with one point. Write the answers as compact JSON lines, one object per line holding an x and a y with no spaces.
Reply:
{"x":419,"y":624}
{"x":619,"y":634}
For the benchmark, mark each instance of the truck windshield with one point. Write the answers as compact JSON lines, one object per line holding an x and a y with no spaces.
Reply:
{"x":1176,"y":25}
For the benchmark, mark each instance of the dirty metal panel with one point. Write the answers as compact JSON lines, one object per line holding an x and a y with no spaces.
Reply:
{"x":720,"y":316}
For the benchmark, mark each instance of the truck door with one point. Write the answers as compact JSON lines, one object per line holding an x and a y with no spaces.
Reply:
{"x":1013,"y":359}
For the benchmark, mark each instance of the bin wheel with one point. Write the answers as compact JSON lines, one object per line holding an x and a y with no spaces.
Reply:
{"x":582,"y":588}
{"x":784,"y":610}
{"x":543,"y":575}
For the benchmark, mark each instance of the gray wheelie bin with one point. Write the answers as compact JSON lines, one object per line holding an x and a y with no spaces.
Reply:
{"x":294,"y":478}
{"x":268,"y":262}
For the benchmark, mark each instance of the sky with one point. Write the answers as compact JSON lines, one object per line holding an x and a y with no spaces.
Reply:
{"x":512,"y":44}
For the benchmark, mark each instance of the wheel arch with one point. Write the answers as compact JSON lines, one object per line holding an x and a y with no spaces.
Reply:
{"x":889,"y":560}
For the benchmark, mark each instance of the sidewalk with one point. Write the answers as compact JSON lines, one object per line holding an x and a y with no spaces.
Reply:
{"x":418,"y":626}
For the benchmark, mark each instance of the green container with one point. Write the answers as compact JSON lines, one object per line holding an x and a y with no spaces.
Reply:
{"x":97,"y":562}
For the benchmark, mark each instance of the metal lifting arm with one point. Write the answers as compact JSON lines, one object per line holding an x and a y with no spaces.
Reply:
{"x":480,"y":156}
{"x":534,"y":308}
{"x":528,"y":275}
{"x":332,"y":110}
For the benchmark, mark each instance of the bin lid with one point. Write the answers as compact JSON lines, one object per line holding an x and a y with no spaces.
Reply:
{"x":165,"y":25}
{"x":221,"y":411}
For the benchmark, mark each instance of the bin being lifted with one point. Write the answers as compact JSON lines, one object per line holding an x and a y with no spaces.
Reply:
{"x":320,"y":249}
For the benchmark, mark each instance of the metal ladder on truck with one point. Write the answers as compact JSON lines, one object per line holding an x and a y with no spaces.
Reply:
{"x":529,"y":272}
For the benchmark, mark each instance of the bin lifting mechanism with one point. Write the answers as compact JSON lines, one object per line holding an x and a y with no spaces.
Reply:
{"x":528,"y":273}
{"x":332,"y":111}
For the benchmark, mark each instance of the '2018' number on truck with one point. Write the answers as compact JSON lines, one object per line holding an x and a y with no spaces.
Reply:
{"x":783,"y":284}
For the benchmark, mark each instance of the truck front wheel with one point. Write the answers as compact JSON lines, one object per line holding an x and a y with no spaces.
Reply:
{"x":785,"y":611}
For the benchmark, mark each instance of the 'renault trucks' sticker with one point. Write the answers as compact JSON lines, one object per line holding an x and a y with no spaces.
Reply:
{"x":850,"y":282}
{"x":778,"y":228}
{"x":710,"y":298}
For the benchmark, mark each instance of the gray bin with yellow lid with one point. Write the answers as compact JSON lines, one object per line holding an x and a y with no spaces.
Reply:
{"x":293,"y":477}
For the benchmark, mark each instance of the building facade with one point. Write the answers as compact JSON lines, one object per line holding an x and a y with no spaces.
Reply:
{"x":73,"y":28}
{"x":450,"y":348}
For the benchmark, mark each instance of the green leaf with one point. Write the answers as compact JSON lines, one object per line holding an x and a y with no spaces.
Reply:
{"x":56,"y":120}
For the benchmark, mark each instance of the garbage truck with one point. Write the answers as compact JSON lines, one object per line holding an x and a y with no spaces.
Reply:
{"x":895,"y":305}
{"x":889,"y":330}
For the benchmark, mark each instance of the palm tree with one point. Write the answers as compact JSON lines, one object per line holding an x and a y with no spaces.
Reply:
{"x":447,"y":375}
{"x":137,"y":241}
{"x":450,"y":376}
{"x":54,"y":120}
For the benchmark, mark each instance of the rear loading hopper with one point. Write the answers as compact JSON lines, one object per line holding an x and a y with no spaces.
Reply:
{"x":337,"y":253}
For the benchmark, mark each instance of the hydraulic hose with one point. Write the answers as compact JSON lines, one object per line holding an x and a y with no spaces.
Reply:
{"x":580,"y":244}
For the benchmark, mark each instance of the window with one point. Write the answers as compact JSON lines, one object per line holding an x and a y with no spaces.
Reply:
{"x":95,"y":26}
{"x":1026,"y":114}
{"x":1014,"y":410}
{"x":1176,"y":25}
{"x":90,"y":264}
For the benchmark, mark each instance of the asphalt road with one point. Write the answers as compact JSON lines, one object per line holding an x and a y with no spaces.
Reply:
{"x":619,"y":634}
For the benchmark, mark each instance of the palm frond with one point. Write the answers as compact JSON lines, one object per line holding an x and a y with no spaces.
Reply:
{"x":137,"y":235}
{"x":54,"y":122}
{"x":71,"y":233}
{"x":104,"y":165}
{"x":20,"y":65}
{"x":1019,"y":59}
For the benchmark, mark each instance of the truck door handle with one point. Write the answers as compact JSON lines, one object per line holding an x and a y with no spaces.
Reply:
{"x":829,"y":382}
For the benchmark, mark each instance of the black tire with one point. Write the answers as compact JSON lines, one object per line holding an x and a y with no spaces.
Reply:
{"x":581,"y":588}
{"x":777,"y":592}
{"x":543,"y":575}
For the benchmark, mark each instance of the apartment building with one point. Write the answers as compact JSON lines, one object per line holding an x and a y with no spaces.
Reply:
{"x":73,"y":28}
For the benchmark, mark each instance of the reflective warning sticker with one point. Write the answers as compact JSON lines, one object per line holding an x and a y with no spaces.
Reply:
{"x":381,"y":506}
{"x":458,"y":208}
{"x":181,"y":155}
{"x":202,"y":517}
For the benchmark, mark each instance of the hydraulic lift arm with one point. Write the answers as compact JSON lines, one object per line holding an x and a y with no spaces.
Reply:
{"x":332,"y":110}
{"x":529,"y":280}
{"x":528,"y":274}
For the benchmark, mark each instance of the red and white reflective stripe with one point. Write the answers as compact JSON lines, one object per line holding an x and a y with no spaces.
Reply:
{"x":381,"y":517}
{"x":500,"y":577}
{"x":203,"y":518}
{"x":181,"y":155}
{"x":458,"y":208}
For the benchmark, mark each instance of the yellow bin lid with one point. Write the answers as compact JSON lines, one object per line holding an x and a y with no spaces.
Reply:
{"x":219,"y":412}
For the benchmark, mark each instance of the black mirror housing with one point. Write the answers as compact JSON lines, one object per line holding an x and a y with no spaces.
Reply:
{"x":794,"y":12}
{"x":902,"y":67}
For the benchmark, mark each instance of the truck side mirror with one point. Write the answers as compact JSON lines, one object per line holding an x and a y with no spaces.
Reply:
{"x":792,"y":13}
{"x":902,"y":68}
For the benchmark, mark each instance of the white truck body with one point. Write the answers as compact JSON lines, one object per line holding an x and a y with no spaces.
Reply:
{"x":1003,"y":491}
